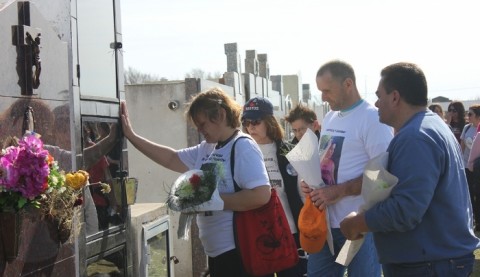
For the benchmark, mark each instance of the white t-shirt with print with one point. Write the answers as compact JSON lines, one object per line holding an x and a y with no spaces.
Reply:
{"x":468,"y":134}
{"x":269,"y":152}
{"x":355,"y":137}
{"x":216,"y":230}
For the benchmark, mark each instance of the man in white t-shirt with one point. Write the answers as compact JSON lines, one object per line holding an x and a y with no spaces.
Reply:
{"x":351,"y":135}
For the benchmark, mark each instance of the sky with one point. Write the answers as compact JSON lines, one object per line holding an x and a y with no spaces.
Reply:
{"x":169,"y":38}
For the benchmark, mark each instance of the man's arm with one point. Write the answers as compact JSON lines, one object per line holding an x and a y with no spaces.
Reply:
{"x":353,"y":226}
{"x":328,"y":195}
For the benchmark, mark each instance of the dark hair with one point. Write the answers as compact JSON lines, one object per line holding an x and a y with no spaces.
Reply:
{"x":301,"y":112}
{"x":62,"y":126}
{"x":408,"y":79}
{"x":90,"y":128}
{"x":274,"y":130}
{"x":10,"y":120}
{"x":460,"y":111}
{"x":104,"y":126}
{"x":210,"y":102}
{"x":340,"y":70}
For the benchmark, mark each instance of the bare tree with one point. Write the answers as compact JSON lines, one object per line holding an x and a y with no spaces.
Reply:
{"x":133,"y":76}
{"x":196,"y":73}
{"x":214,"y":76}
{"x":199,"y":73}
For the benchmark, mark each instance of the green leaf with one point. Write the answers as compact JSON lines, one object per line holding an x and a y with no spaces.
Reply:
{"x":21,"y":202}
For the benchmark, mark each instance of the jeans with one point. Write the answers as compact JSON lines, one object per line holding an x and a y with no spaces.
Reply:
{"x":474,"y":189}
{"x":458,"y":267}
{"x":365,"y":263}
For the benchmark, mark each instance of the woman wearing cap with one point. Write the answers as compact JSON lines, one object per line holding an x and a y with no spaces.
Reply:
{"x":217,"y":118}
{"x":258,"y":121}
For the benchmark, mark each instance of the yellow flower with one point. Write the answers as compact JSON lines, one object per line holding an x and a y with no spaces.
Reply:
{"x":77,"y":180}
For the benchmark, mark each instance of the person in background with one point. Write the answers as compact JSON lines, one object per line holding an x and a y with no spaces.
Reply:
{"x":436,"y":108}
{"x":302,"y":118}
{"x":217,"y":118}
{"x":352,"y":126}
{"x":113,"y":157}
{"x":424,"y":228}
{"x":466,"y":140}
{"x":258,"y":121}
{"x":99,"y":173}
{"x":456,"y":118}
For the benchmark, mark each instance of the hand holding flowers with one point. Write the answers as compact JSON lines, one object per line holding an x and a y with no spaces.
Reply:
{"x":195,"y":191}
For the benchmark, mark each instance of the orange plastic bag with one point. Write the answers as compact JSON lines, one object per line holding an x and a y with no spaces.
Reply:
{"x":312,"y":223}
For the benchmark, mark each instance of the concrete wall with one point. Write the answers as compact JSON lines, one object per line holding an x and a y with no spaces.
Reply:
{"x":292,"y":86}
{"x":152,"y":118}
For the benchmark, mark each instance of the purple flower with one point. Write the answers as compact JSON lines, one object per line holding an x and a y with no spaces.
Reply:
{"x":26,"y":167}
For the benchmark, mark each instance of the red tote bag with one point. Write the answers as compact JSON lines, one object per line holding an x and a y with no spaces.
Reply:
{"x":264,"y":239}
{"x":263,"y":236}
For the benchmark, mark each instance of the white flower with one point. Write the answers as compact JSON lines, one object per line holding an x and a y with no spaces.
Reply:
{"x":185,"y":191}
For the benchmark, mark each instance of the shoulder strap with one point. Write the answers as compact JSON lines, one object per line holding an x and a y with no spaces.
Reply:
{"x":232,"y":162}
{"x":468,"y":127}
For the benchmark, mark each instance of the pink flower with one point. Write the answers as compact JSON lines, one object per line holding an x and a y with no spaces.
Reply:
{"x":26,"y":167}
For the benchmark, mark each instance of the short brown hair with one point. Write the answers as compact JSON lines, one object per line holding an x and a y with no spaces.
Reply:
{"x":210,"y":102}
{"x":339,"y":70}
{"x":475,"y":108}
{"x":301,"y":112}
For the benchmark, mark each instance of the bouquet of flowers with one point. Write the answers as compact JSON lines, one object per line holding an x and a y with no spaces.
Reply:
{"x":30,"y":177}
{"x":377,"y":185}
{"x":25,"y":170}
{"x":195,"y":191}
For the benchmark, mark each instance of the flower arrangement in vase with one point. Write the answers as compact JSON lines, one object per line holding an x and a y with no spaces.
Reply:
{"x":30,"y":178}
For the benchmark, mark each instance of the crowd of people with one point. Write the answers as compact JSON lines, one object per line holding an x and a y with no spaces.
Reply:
{"x":464,"y":123}
{"x":425,"y":227}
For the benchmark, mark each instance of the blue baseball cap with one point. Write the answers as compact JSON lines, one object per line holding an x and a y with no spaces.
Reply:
{"x":257,"y":108}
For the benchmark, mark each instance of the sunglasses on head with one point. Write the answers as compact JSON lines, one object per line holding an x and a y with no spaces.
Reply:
{"x":246,"y":122}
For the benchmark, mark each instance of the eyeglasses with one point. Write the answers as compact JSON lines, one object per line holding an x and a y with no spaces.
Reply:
{"x":299,"y":130}
{"x":246,"y":123}
{"x":452,"y":110}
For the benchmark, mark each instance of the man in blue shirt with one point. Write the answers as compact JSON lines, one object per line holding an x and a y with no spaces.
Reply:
{"x":425,"y":227}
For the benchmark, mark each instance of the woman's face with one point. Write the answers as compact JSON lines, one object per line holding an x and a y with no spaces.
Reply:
{"x":257,"y":129}
{"x":453,"y":112}
{"x":299,"y":128}
{"x":209,"y":129}
{"x":473,"y":118}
